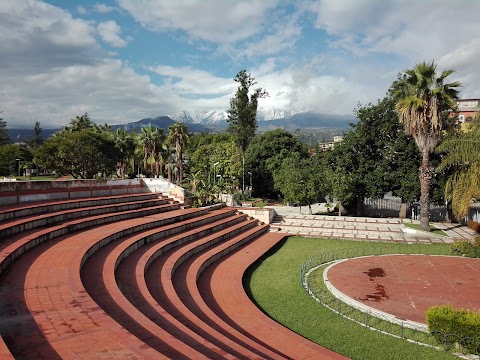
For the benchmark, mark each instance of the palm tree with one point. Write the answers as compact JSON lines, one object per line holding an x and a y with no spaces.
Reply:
{"x":125,"y":142}
{"x":178,"y":137}
{"x":421,"y":97}
{"x":152,"y":141}
{"x":462,"y":153}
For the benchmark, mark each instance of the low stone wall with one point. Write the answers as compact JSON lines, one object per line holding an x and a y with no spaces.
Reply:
{"x":17,"y":192}
{"x":264,"y":215}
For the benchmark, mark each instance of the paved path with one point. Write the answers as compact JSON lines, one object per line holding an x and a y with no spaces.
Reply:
{"x":296,"y":221}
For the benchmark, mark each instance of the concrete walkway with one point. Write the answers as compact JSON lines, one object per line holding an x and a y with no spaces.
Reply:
{"x":297,"y":221}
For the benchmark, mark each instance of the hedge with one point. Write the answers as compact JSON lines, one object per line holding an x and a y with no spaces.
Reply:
{"x":452,"y":327}
{"x":466,"y":248}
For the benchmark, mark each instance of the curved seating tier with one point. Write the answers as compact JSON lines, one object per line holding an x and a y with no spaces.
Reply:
{"x":134,"y":277}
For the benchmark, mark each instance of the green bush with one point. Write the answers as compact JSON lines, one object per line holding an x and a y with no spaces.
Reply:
{"x":466,"y":248}
{"x":452,"y":327}
{"x":260,"y":203}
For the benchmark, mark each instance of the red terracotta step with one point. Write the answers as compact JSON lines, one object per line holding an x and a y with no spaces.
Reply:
{"x":136,"y":290}
{"x":222,"y":282}
{"x":198,"y":305}
{"x":15,"y":226}
{"x":32,"y":208}
{"x":17,"y":245}
{"x":164,"y":291}
{"x":107,"y":293}
{"x":71,"y":322}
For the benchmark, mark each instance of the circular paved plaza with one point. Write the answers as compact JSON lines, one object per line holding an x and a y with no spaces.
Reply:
{"x":407,"y":285}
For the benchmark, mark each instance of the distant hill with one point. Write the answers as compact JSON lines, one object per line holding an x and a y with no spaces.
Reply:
{"x":328,"y":124}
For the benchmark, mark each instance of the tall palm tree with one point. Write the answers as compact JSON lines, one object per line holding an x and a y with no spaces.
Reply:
{"x":421,"y":97}
{"x":178,"y":137}
{"x":125,"y":142}
{"x":463,"y":154}
{"x":152,"y":141}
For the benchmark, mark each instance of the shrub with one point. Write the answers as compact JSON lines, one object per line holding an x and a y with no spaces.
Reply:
{"x":475,"y":226}
{"x":465,"y":248}
{"x":260,"y":203}
{"x":452,"y":326}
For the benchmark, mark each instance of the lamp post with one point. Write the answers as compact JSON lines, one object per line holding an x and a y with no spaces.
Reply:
{"x":250,"y":173}
{"x":215,"y":172}
{"x":18,"y":166}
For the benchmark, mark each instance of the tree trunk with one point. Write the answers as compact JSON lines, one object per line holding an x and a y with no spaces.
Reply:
{"x":425,"y":177}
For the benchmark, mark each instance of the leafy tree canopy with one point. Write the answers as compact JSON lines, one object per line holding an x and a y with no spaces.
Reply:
{"x":265,"y":154}
{"x":375,"y":157}
{"x":222,"y":150}
{"x":83,"y":154}
{"x":299,"y":179}
{"x":8,"y":158}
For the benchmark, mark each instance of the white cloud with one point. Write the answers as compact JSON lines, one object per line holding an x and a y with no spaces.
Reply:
{"x":185,"y":80}
{"x":216,"y":21}
{"x":81,"y":10}
{"x":103,"y":8}
{"x":109,"y":91}
{"x":35,"y":36}
{"x":110,"y":32}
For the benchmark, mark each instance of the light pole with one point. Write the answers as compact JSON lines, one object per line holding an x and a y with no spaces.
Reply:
{"x":250,"y":173}
{"x":18,"y":166}
{"x":215,"y":172}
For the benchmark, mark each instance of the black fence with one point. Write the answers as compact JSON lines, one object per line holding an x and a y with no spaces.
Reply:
{"x":390,"y":208}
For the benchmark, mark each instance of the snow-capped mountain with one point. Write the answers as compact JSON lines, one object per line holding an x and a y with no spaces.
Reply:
{"x":215,"y":116}
{"x":267,"y":118}
{"x":200,"y":117}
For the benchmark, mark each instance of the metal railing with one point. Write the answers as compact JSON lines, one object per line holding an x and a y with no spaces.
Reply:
{"x":311,"y":277}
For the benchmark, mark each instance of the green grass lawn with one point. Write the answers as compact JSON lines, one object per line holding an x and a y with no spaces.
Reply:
{"x":433,"y":229}
{"x":274,"y":285}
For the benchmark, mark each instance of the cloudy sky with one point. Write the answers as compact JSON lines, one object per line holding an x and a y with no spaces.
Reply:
{"x":125,"y":60}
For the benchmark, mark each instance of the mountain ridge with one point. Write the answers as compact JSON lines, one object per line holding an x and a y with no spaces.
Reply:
{"x":215,"y":121}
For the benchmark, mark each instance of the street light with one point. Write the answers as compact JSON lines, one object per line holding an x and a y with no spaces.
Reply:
{"x":215,"y":171}
{"x":250,"y":173}
{"x":18,"y":166}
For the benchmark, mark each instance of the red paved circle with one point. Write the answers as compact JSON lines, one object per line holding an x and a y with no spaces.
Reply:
{"x":407,"y":285}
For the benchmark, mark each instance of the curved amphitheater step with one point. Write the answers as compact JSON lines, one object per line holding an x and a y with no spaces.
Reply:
{"x":11,"y":248}
{"x":102,"y":264}
{"x":353,"y":228}
{"x":124,"y":284}
{"x":60,"y":316}
{"x":221,"y":287}
{"x":49,"y":217}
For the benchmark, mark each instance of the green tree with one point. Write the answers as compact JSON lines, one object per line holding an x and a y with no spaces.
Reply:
{"x":462,"y":154}
{"x":83,"y":154}
{"x":79,"y":123}
{"x":421,"y":98}
{"x":242,"y":115}
{"x":178,"y":137}
{"x":299,"y":180}
{"x":220,"y":149}
{"x":152,"y":142}
{"x":125,"y":143}
{"x":4,"y":138}
{"x":265,"y":154}
{"x":8,"y":159}
{"x":374,"y":158}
